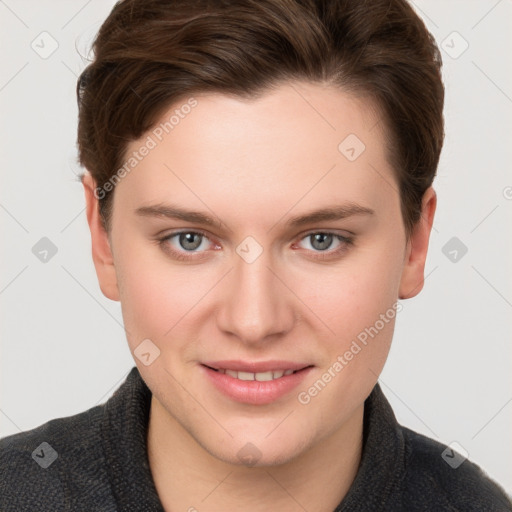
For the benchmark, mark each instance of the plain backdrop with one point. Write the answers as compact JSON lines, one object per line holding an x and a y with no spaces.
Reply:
{"x":63,"y":348}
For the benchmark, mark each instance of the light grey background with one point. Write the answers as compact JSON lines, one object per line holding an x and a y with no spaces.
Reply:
{"x":63,"y":347}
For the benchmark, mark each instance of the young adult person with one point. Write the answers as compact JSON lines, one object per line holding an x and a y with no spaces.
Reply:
{"x":259,"y":195}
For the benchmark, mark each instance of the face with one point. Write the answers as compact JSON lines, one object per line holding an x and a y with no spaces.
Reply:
{"x":257,"y":277}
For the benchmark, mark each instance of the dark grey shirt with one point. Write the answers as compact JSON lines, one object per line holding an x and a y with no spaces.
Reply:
{"x":97,"y":461}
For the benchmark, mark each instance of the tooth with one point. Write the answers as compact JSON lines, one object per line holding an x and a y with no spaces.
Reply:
{"x":263,"y":376}
{"x":245,"y":376}
{"x":260,"y":376}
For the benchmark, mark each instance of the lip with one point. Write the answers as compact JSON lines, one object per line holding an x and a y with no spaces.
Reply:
{"x":256,"y":367}
{"x":255,"y":392}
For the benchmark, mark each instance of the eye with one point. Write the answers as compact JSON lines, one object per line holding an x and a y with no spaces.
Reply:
{"x":325,"y":243}
{"x":188,"y":245}
{"x":183,"y":242}
{"x":190,"y":241}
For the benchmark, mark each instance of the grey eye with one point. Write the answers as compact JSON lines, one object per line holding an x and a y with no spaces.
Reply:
{"x":321,"y":241}
{"x":190,"y":241}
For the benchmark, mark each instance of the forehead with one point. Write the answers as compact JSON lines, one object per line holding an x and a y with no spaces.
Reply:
{"x":296,"y":143}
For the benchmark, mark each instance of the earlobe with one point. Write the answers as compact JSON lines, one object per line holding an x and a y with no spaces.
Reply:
{"x":417,"y":247}
{"x":101,"y":250}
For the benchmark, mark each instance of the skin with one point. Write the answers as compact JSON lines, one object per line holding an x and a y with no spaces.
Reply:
{"x":253,"y":165}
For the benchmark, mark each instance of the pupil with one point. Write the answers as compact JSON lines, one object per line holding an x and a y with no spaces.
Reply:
{"x":321,"y":241}
{"x":187,"y":240}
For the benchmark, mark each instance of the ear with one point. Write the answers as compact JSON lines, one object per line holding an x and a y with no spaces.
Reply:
{"x":417,"y":246}
{"x":101,"y":251}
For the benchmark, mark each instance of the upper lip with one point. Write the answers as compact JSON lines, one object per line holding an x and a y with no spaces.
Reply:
{"x":255,"y":367}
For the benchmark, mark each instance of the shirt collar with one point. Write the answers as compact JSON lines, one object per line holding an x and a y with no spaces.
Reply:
{"x":124,"y":434}
{"x":124,"y":430}
{"x":382,"y":465}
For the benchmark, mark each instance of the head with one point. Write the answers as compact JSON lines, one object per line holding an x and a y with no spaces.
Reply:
{"x":210,"y":132}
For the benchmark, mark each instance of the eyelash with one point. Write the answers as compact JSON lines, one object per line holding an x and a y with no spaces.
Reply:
{"x":319,"y":255}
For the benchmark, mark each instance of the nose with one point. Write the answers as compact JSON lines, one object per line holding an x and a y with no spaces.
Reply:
{"x":256,"y":305}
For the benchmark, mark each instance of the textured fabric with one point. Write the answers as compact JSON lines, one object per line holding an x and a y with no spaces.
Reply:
{"x":101,"y":464}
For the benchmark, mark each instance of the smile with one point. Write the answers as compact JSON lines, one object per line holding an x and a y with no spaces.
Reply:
{"x":260,"y":376}
{"x":266,"y":383}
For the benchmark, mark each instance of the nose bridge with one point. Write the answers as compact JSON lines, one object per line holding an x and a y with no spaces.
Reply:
{"x":255,"y":305}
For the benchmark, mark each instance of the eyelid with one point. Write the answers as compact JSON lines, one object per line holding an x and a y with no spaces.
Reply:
{"x":166,"y":234}
{"x":186,"y":256}
{"x":331,"y":231}
{"x":172,"y":234}
{"x":345,"y":240}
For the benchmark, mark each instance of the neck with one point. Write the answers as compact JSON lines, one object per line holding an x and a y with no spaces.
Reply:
{"x":189,"y":478}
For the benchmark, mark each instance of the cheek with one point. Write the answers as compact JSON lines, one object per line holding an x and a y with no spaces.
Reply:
{"x":360,"y":306}
{"x":350,"y":300}
{"x":155,"y":295}
{"x":357,"y":304}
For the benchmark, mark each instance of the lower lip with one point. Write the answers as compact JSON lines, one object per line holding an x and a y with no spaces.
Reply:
{"x":252,"y":391}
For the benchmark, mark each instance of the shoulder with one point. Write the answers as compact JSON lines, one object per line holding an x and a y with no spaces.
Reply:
{"x":438,"y":476}
{"x":43,"y":468}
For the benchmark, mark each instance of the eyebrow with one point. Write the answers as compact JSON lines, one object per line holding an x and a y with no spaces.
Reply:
{"x":331,"y":213}
{"x":175,"y":212}
{"x":337,"y":212}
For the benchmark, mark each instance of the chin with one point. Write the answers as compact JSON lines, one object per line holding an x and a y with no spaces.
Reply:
{"x":256,"y":451}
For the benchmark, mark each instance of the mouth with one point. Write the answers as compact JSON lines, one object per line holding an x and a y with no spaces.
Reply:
{"x":259,"y":376}
{"x":255,"y":383}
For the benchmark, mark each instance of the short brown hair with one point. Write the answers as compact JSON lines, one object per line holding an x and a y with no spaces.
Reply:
{"x":150,"y":53}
